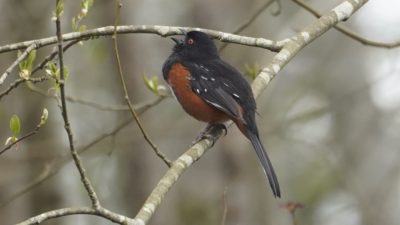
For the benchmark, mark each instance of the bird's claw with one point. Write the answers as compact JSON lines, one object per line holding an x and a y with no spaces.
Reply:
{"x":206,"y":133}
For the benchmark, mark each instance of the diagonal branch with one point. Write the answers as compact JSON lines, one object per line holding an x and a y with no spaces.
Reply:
{"x":346,"y":31}
{"x":16,"y":62}
{"x":42,"y":122}
{"x":41,"y":65}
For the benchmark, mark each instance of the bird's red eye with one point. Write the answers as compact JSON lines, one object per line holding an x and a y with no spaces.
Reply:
{"x":190,"y":41}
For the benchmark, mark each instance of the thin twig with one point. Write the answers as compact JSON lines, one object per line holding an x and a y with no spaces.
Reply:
{"x":249,"y":21}
{"x":346,"y":31}
{"x":55,"y":165}
{"x":17,"y":82}
{"x":33,"y":132}
{"x":16,"y":62}
{"x":41,"y":65}
{"x":101,"y":212}
{"x":85,"y":180}
{"x":225,"y":210}
{"x":126,"y":95}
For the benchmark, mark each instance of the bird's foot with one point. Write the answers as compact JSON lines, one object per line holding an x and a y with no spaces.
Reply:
{"x":207,"y":133}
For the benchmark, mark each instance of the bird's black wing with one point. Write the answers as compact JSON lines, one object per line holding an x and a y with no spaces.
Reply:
{"x":221,"y":86}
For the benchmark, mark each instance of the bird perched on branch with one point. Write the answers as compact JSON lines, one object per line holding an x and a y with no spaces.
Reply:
{"x":213,"y":91}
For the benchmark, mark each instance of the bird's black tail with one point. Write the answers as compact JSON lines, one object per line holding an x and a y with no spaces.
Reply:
{"x":265,"y":162}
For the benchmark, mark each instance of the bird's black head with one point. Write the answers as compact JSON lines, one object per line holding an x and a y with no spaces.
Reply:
{"x":196,"y":45}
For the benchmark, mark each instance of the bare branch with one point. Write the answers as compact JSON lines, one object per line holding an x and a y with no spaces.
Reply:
{"x":153,"y":29}
{"x":85,"y":180}
{"x":16,"y":62}
{"x":54,"y":166}
{"x":173,"y":174}
{"x":126,"y":95}
{"x":346,"y":31}
{"x":17,"y":82}
{"x":101,"y":212}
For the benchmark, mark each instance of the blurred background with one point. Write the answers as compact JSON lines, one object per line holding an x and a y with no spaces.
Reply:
{"x":330,"y":120}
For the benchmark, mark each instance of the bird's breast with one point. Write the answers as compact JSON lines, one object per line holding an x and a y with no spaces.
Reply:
{"x":179,"y":78}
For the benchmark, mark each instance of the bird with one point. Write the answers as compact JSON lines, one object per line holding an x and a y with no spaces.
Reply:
{"x":212,"y":91}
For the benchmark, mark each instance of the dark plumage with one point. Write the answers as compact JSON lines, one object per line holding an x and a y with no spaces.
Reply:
{"x":213,"y":91}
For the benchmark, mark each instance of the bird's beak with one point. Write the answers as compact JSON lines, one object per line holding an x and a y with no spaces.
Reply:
{"x":177,"y":41}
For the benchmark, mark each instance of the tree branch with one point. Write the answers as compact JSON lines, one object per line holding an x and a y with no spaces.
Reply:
{"x":101,"y":212}
{"x":153,"y":29}
{"x":41,"y":65}
{"x":346,"y":31}
{"x":85,"y":180}
{"x":42,"y":122}
{"x":126,"y":95}
{"x":16,"y":62}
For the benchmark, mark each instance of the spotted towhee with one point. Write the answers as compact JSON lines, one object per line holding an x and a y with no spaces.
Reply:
{"x":213,"y":91}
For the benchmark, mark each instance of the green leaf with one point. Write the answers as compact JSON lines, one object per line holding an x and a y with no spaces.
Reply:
{"x":31,"y":58}
{"x":82,"y":28}
{"x":252,"y":70}
{"x":25,"y":66}
{"x":15,"y":125}
{"x":152,"y":84}
{"x":59,"y":8}
{"x":52,"y":70}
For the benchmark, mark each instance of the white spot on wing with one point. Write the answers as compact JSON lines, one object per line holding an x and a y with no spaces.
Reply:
{"x":235,"y":95}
